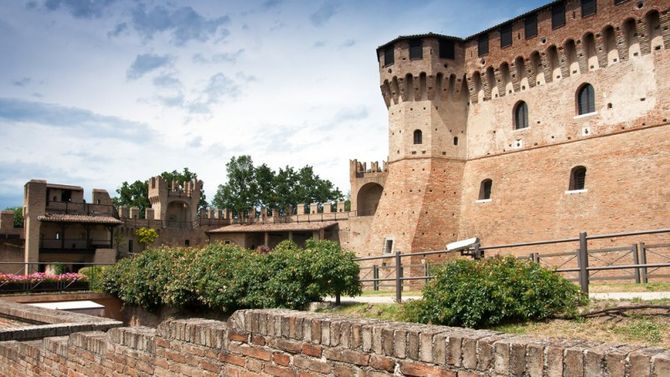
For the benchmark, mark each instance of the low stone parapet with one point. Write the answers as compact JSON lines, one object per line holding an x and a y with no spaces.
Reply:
{"x":290,"y":343}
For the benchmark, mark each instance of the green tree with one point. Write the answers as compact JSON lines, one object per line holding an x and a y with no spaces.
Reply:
{"x":240,"y":192}
{"x":146,"y":236}
{"x":18,"y":216}
{"x":185,"y":176}
{"x":249,"y":187}
{"x":135,"y":194}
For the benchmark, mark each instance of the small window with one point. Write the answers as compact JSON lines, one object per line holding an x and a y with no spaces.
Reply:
{"x":530,"y":26}
{"x":388,"y":55}
{"x":485,"y":189}
{"x":187,"y":243}
{"x":586,"y":102}
{"x":558,"y":16}
{"x":418,"y":137}
{"x":483,"y":44}
{"x":455,"y":140}
{"x":130,"y":246}
{"x":506,"y":35}
{"x":520,"y":116}
{"x":415,"y":49}
{"x":57,"y":236}
{"x":388,"y":246}
{"x":589,"y":7}
{"x":447,"y":49}
{"x":577,"y":178}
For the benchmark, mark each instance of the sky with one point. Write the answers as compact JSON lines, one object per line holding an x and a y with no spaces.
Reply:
{"x":98,"y":92}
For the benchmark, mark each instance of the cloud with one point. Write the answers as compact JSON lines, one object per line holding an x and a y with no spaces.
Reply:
{"x":183,"y":24}
{"x":218,"y":87}
{"x":348,"y":43}
{"x":325,"y":12}
{"x":167,"y":81}
{"x":23,"y":82}
{"x":118,"y":30}
{"x":146,"y":63}
{"x":319,"y":44}
{"x":81,"y":121}
{"x":351,"y":114}
{"x":267,"y":4}
{"x":85,"y":9}
{"x":226,"y":57}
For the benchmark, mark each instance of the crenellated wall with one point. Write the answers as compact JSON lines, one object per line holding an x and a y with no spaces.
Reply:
{"x":287,"y":343}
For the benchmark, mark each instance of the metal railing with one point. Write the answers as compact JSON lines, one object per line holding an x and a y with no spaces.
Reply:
{"x":74,"y":244}
{"x":638,"y":252}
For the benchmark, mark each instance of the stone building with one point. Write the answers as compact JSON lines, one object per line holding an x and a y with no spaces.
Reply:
{"x":548,"y":124}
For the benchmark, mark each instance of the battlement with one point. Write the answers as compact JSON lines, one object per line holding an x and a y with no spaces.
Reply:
{"x":359,"y":169}
{"x":157,"y":185}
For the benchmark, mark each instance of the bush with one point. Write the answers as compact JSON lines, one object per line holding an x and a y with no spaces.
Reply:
{"x":227,"y":278}
{"x":95,"y":276}
{"x":494,"y":291}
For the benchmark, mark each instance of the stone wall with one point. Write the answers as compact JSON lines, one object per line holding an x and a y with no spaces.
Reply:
{"x":288,"y":343}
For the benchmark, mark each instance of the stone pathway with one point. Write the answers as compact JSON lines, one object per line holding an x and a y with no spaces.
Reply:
{"x":645,"y":296}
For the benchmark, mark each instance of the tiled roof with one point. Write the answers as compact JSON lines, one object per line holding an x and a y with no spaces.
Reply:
{"x":281,"y":227}
{"x":57,"y":218}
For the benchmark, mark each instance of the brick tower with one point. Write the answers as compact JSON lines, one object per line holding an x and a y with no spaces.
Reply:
{"x":426,"y":96}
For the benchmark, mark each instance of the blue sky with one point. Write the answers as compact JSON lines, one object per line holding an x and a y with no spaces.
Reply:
{"x":97,"y":92}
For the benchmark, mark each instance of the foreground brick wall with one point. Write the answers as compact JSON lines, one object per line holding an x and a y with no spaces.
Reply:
{"x":288,"y":343}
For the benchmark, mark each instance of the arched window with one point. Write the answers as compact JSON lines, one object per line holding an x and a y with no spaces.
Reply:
{"x":418,"y":137}
{"x":485,"y":189}
{"x":586,"y":102}
{"x":577,"y":178}
{"x":520,"y":116}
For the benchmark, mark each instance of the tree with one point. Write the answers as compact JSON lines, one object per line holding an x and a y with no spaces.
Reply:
{"x":146,"y":236}
{"x":18,"y":216}
{"x":135,"y":194}
{"x":240,"y":192}
{"x":249,"y":187}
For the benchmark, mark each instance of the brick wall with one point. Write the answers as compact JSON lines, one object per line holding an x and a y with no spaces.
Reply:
{"x":288,"y":343}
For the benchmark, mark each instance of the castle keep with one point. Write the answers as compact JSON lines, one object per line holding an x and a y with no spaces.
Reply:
{"x":538,"y":128}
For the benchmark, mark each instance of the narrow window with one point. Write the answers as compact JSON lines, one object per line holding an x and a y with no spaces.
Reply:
{"x":130,"y":246}
{"x":558,"y":16}
{"x":530,"y":26}
{"x":57,"y":236}
{"x":588,"y":7}
{"x":455,"y":140}
{"x":506,"y":35}
{"x":577,"y":178}
{"x":415,"y":49}
{"x":447,"y":49}
{"x":485,"y":189}
{"x":586,"y":102}
{"x":521,"y":116}
{"x":388,"y":246}
{"x":187,"y":243}
{"x":388,"y":55}
{"x":418,"y":137}
{"x":483,"y":44}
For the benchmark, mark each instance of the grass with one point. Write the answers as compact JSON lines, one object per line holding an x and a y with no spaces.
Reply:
{"x":642,"y":328}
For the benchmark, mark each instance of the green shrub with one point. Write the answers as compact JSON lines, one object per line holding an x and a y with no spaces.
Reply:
{"x":494,"y":291}
{"x":95,"y":276}
{"x":226,"y":277}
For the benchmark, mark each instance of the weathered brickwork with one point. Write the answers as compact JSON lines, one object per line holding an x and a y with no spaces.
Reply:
{"x":452,"y":126}
{"x":287,"y":343}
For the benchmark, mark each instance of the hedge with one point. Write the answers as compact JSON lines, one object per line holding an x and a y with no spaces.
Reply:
{"x":227,"y":277}
{"x":493,"y":291}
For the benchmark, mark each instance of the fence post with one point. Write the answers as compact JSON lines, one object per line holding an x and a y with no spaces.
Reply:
{"x":644,"y":276}
{"x":398,"y":276}
{"x":583,"y":263}
{"x":375,"y":277}
{"x":636,"y":261}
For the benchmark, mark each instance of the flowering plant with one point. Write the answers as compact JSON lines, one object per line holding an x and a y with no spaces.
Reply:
{"x":40,"y":277}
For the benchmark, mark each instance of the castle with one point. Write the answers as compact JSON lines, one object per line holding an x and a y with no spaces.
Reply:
{"x":548,"y":124}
